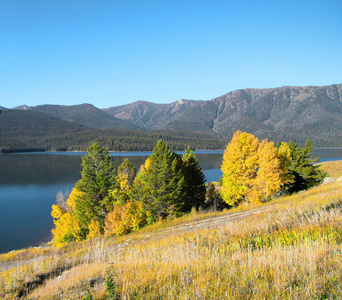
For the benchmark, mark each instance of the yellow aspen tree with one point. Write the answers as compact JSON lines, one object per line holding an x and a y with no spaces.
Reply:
{"x":239,"y":166}
{"x":66,"y":227}
{"x":71,"y":202}
{"x":125,"y":218}
{"x":268,"y":177}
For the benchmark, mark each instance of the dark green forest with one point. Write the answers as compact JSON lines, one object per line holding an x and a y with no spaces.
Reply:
{"x":34,"y":131}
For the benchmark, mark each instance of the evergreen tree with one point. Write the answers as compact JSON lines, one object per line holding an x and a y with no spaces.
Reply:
{"x":195,"y":189}
{"x":160,"y":183}
{"x":98,"y":178}
{"x":301,"y":170}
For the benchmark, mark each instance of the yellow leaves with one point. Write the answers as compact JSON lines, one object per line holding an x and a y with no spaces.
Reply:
{"x":57,"y":211}
{"x":66,"y":230}
{"x":121,"y":194}
{"x":94,"y":230}
{"x":146,"y":165}
{"x":268,"y":177}
{"x":125,"y":218}
{"x":66,"y":227}
{"x":251,"y":169}
{"x":71,"y":202}
{"x":238,"y":166}
{"x":124,"y":186}
{"x":285,"y":158}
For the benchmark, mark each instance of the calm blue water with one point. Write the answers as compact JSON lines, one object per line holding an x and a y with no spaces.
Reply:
{"x":29,"y":183}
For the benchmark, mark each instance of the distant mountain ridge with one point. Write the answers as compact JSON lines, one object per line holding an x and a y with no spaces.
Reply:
{"x":84,"y":114}
{"x":284,"y":113}
{"x":150,"y":115}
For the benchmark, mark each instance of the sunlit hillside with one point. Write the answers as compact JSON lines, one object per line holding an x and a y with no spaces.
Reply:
{"x":290,"y":248}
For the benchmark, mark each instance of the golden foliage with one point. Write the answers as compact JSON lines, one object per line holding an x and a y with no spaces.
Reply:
{"x":57,"y":211}
{"x":251,"y":170}
{"x":95,"y":230}
{"x":238,"y":166}
{"x":285,"y":157}
{"x":268,"y":178}
{"x":71,"y":202}
{"x":125,"y":218}
{"x":66,"y":228}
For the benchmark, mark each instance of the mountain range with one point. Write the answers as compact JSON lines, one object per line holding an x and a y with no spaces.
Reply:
{"x":278,"y":114}
{"x":285,"y":113}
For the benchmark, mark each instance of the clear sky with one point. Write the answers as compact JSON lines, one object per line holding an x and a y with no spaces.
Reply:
{"x":110,"y":53}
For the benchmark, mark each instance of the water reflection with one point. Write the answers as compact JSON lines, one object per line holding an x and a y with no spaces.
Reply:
{"x":46,"y":169}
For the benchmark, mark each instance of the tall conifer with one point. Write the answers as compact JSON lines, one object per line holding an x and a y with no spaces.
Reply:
{"x":195,"y":189}
{"x":160,"y":183}
{"x":98,"y":177}
{"x":301,"y":169}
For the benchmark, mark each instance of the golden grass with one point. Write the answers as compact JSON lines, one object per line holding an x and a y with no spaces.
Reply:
{"x":292,"y":250}
{"x":333,"y":168}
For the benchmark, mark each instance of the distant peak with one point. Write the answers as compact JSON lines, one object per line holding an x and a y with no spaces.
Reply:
{"x":21,"y":107}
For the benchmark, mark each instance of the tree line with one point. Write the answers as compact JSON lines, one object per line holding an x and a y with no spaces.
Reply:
{"x":109,"y":202}
{"x":114,"y":140}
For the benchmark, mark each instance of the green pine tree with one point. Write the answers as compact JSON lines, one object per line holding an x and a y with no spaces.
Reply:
{"x":195,"y":189}
{"x":160,"y":183}
{"x":301,"y":169}
{"x":98,"y":178}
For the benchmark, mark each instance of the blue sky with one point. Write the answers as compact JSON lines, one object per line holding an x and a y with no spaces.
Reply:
{"x":111,"y":53}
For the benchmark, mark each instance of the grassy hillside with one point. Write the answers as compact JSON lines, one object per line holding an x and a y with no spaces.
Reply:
{"x":287,"y":249}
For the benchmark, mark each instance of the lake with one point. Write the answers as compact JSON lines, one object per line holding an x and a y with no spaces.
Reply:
{"x":29,"y":183}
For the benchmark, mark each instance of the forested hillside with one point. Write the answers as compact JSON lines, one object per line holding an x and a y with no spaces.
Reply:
{"x":31,"y":131}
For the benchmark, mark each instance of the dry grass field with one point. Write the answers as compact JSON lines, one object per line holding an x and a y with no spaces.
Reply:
{"x":290,"y":248}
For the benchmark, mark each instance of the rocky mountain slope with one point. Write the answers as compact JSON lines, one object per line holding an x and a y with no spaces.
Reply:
{"x":153,"y":116}
{"x":286,"y":113}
